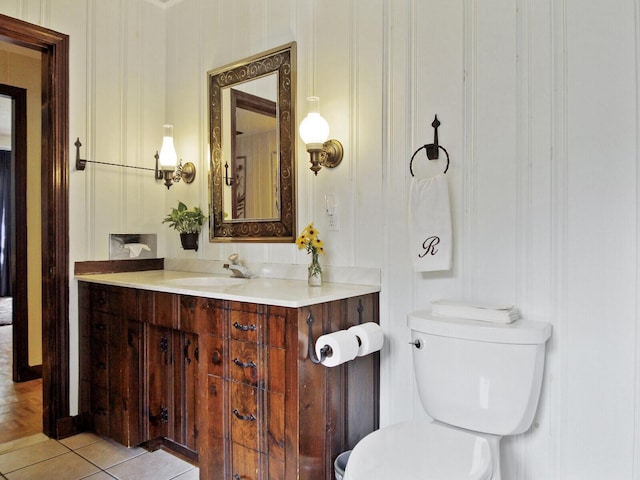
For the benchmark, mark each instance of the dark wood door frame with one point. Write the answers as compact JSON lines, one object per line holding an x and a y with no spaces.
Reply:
{"x":21,"y":370}
{"x":54,"y":47}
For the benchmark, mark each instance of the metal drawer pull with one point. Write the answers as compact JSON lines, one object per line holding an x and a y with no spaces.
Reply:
{"x":244,"y":364}
{"x":249,"y":417}
{"x":244,"y":328}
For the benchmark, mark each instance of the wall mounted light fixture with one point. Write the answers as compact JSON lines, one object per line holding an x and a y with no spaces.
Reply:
{"x":166,"y":167}
{"x":314,"y":132}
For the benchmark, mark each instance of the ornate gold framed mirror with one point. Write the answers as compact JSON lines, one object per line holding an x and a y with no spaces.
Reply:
{"x":252,"y":141}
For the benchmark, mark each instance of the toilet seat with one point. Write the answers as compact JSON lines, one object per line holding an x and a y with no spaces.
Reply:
{"x":421,"y":450}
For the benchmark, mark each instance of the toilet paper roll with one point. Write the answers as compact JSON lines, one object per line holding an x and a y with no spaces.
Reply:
{"x":370,"y":337}
{"x":343,"y":344}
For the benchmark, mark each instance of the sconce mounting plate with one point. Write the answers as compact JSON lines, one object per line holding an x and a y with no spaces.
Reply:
{"x":332,"y":153}
{"x":188,"y":172}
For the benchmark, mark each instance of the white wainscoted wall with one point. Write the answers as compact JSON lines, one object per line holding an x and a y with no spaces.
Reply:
{"x":539,"y":109}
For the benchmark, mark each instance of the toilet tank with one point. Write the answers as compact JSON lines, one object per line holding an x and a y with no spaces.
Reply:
{"x":481,"y":376}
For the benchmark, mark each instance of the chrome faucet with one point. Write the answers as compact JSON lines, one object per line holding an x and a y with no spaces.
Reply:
{"x":237,"y":269}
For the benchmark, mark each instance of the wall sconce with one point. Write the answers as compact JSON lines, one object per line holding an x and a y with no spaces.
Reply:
{"x":165,"y":162}
{"x":167,"y":166}
{"x":228,"y":181}
{"x":314,"y":132}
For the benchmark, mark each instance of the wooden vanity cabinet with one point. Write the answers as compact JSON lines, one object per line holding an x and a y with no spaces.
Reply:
{"x":272,"y":413}
{"x":227,"y":384}
{"x":138,"y":370}
{"x":110,"y":358}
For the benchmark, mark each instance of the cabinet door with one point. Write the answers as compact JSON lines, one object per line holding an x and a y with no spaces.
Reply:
{"x":103,"y":360}
{"x":110,"y":356}
{"x":124,"y":352}
{"x":159,"y":395}
{"x":131,"y":394}
{"x":185,"y":388}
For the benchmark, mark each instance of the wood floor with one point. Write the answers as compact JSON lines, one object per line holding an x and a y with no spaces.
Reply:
{"x":20,"y":403}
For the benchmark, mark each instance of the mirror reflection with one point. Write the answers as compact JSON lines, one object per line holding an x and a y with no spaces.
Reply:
{"x":252,"y":128}
{"x":251,"y":168}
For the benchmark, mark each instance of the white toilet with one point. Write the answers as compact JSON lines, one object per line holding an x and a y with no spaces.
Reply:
{"x":478,"y":381}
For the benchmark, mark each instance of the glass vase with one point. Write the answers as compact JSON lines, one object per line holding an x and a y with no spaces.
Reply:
{"x":315,"y":272}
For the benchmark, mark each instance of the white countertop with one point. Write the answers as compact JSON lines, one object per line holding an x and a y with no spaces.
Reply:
{"x":269,"y":291}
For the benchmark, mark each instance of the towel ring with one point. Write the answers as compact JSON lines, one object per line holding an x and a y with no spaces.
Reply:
{"x":427,"y":148}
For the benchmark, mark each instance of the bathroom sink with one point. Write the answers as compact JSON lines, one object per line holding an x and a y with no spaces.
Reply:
{"x":207,"y":281}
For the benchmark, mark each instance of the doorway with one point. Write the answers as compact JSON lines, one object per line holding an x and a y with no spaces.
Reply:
{"x":15,"y":223}
{"x":54,"y":48}
{"x":22,"y":400}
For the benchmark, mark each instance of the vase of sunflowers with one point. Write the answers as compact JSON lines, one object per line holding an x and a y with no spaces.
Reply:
{"x":309,"y":240}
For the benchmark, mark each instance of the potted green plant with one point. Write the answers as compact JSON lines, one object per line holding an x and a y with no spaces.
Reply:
{"x":188,"y":223}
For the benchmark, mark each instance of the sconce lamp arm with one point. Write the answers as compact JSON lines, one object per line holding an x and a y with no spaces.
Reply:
{"x":186,"y":172}
{"x":82,"y":163}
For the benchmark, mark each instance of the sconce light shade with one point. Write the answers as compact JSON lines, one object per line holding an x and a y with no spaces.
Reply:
{"x":168,"y":156}
{"x":167,"y":166}
{"x":314,"y":132}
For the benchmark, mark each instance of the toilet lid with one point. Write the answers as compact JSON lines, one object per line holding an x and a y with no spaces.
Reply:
{"x":420,"y":450}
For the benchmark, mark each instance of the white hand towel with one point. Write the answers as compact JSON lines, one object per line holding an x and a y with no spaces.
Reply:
{"x":136,"y":248}
{"x":430,"y":238}
{"x":486,"y":313}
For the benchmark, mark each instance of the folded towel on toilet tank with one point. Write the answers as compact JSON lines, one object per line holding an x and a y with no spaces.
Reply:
{"x":475,"y":311}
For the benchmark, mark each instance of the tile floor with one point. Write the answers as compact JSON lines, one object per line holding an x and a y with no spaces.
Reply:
{"x":87,"y":456}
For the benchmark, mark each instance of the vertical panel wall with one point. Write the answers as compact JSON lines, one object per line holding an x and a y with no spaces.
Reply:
{"x":538,"y":104}
{"x":545,"y":209}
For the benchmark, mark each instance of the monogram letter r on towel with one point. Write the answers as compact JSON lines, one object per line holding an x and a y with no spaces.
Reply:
{"x":429,"y":246}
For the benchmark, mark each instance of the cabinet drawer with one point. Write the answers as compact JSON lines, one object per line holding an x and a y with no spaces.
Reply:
{"x":105,"y":299}
{"x":244,"y":415}
{"x":202,"y":315}
{"x":256,"y":365}
{"x":215,"y":360}
{"x":100,"y":327}
{"x":99,"y":364}
{"x":244,"y":364}
{"x":100,"y":410}
{"x":244,"y":326}
{"x":245,"y":463}
{"x":249,"y":464}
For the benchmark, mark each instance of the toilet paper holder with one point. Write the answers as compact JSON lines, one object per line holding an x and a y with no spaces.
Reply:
{"x":324,"y":351}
